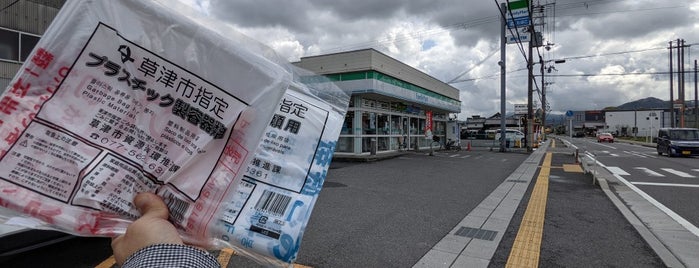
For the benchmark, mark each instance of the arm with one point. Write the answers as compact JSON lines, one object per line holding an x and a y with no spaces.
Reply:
{"x":152,"y":241}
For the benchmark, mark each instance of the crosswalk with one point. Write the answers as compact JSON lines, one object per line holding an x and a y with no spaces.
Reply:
{"x":643,"y":154}
{"x":658,"y":172}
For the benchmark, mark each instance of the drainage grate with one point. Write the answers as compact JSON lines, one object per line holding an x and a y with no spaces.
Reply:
{"x":517,"y":181}
{"x":476,"y":233}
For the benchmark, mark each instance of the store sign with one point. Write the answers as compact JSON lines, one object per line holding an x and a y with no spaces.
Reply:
{"x":521,"y":109}
{"x":518,"y":21}
{"x":428,"y":125}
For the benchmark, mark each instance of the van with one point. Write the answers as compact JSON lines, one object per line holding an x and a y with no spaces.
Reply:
{"x":512,"y":135}
{"x":678,"y":141}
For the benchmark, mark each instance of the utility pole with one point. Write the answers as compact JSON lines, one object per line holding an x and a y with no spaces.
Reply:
{"x":696,"y":104}
{"x":503,"y":90}
{"x":530,"y":85}
{"x":672,"y":97}
{"x":543,"y":99}
{"x":680,"y":71}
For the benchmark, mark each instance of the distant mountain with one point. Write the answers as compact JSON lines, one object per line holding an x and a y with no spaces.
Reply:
{"x":647,"y":103}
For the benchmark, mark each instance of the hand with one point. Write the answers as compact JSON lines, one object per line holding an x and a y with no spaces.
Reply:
{"x":150,"y":229}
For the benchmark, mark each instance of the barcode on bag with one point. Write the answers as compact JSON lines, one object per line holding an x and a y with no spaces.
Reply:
{"x":273,"y":203}
{"x":178,"y":207}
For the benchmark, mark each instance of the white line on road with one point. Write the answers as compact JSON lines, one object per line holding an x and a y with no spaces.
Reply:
{"x":667,"y":184}
{"x":682,"y":221}
{"x":466,"y":156}
{"x":614,"y":155}
{"x":455,"y":155}
{"x":636,"y":154}
{"x":650,"y":172}
{"x":618,"y":171}
{"x":610,"y":147}
{"x":697,"y":170}
{"x":678,"y":173}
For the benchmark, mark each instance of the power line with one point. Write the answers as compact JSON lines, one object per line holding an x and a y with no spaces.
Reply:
{"x":8,"y":6}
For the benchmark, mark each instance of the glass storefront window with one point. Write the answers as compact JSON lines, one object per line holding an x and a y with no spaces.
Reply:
{"x":368,"y":123}
{"x":345,"y":145}
{"x":384,"y":127}
{"x":366,"y":144}
{"x":439,"y":127}
{"x":395,"y":125}
{"x":395,"y":143}
{"x":413,"y":126}
{"x":348,"y":125}
{"x":383,"y":143}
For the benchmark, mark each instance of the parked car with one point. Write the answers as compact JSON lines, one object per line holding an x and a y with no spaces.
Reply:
{"x":513,"y":136}
{"x":579,"y":134}
{"x":605,"y":137}
{"x":678,"y":141}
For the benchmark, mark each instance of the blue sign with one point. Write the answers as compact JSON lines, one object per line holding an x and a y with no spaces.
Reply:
{"x":517,"y":22}
{"x":569,"y":113}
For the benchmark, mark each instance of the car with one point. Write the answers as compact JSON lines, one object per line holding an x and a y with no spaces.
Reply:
{"x":605,"y":137}
{"x":512,"y":135}
{"x":678,"y":142}
{"x":579,"y":134}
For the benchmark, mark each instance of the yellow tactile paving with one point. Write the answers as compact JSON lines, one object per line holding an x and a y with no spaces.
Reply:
{"x":572,"y":168}
{"x":225,"y":256}
{"x":526,"y":248}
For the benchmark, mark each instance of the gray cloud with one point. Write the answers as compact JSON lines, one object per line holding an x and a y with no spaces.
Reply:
{"x":459,"y":34}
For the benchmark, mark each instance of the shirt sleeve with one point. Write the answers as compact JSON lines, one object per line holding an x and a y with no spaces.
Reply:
{"x":170,"y":255}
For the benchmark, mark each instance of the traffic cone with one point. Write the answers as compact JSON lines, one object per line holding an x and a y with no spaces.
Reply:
{"x":468,"y":146}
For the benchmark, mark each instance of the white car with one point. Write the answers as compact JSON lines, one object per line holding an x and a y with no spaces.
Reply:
{"x":512,"y":135}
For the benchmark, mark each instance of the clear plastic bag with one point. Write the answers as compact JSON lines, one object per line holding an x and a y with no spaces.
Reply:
{"x":121,"y":97}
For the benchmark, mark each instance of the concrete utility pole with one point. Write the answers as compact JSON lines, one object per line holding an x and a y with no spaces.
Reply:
{"x":680,"y":71}
{"x":503,"y":44}
{"x":696,"y":104}
{"x":530,"y":86}
{"x":672,"y":97}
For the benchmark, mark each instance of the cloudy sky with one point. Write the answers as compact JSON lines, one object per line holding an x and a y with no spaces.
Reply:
{"x":615,"y":50}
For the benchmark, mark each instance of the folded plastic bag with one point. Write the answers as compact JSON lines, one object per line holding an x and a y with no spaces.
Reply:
{"x":121,"y":97}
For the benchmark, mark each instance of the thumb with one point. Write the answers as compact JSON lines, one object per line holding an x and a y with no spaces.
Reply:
{"x":151,"y":206}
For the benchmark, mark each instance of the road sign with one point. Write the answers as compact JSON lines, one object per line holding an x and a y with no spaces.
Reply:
{"x":521,"y":109}
{"x":569,"y":113}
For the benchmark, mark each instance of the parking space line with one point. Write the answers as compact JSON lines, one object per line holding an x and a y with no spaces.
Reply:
{"x":526,"y":249}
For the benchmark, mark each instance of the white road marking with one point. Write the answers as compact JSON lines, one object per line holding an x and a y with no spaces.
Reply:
{"x":678,"y":173}
{"x":454,"y":155}
{"x":667,"y":184}
{"x":682,"y":221}
{"x":608,"y":146}
{"x":636,"y":154}
{"x":614,"y":155}
{"x":618,"y":171}
{"x":650,"y":172}
{"x":466,"y":156}
{"x":697,"y":170}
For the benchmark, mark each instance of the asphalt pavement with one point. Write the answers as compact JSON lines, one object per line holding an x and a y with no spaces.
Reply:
{"x":471,"y":208}
{"x":466,"y":209}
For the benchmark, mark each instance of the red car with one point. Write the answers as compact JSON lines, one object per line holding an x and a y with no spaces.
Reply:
{"x":605,"y":137}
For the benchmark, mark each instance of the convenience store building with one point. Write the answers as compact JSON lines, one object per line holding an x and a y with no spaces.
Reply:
{"x":391,"y":105}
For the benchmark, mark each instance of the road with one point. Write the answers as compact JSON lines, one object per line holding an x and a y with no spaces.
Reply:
{"x":395,"y":212}
{"x":660,"y":191}
{"x":672,"y":181}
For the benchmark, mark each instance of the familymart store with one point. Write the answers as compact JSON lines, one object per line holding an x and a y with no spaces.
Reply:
{"x":393,"y":106}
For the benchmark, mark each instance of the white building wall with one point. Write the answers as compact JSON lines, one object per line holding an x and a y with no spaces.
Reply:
{"x":647,"y":125}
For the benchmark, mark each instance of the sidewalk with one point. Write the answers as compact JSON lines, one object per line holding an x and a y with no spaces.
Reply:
{"x":568,"y":222}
